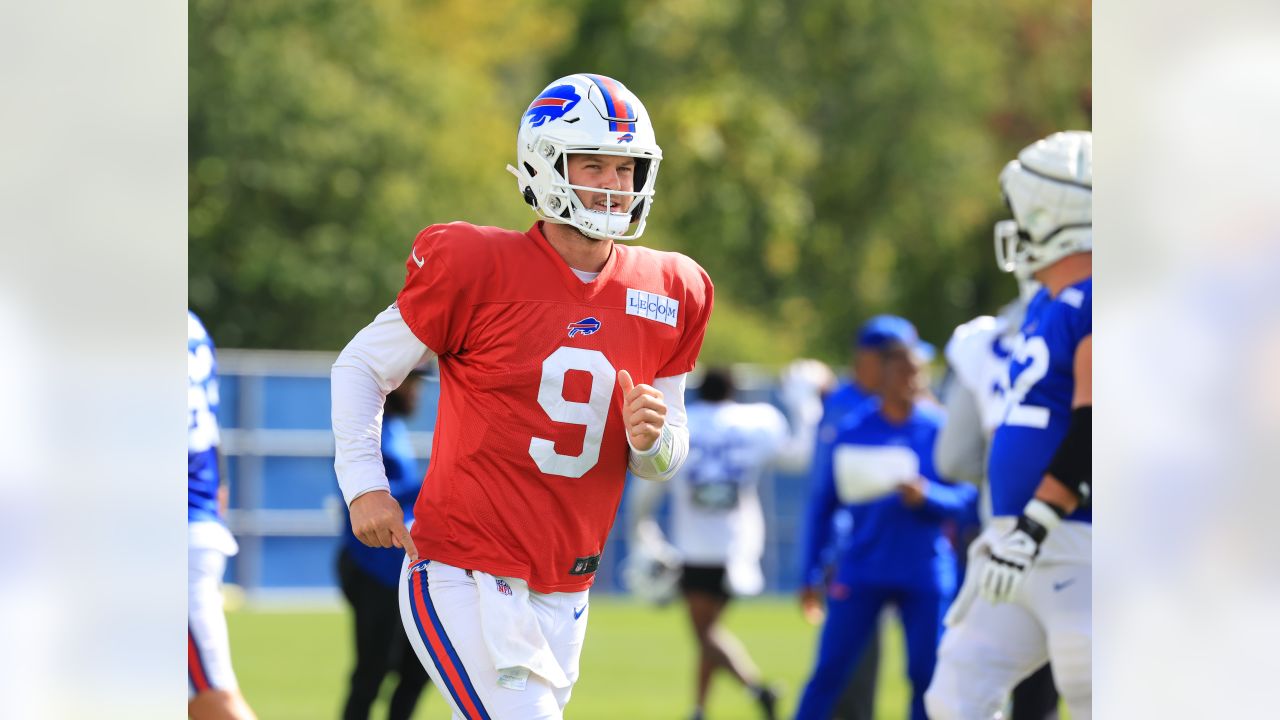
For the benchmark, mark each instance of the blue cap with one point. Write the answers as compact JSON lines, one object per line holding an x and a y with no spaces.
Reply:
{"x":882,"y":331}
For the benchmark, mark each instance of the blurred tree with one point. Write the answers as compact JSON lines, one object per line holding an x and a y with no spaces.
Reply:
{"x":832,"y":159}
{"x":824,"y":160}
{"x":324,"y":135}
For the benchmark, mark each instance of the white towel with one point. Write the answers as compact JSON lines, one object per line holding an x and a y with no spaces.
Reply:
{"x":512,"y":633}
{"x":866,"y":472}
{"x":211,"y":535}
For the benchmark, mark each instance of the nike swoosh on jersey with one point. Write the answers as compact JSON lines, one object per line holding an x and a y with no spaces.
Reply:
{"x":1060,"y":585}
{"x":577,"y":612}
{"x":414,"y":253}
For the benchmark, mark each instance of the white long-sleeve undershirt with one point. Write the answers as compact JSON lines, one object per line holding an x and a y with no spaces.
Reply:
{"x":661,"y":461}
{"x":373,"y":364}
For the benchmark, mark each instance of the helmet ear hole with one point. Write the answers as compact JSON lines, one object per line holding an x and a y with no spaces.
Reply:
{"x":529,"y":169}
{"x":641,"y":174}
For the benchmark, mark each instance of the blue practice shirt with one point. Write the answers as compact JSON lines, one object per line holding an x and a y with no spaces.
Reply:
{"x":823,"y":536}
{"x":891,"y":544}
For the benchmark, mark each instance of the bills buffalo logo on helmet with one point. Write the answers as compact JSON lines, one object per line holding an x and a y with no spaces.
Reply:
{"x":552,"y":104}
{"x":628,"y":137}
{"x":585,"y":326}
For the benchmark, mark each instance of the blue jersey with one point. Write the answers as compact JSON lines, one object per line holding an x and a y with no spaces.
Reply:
{"x":1039,"y":388}
{"x":405,"y":480}
{"x":891,"y":544}
{"x":202,"y":423}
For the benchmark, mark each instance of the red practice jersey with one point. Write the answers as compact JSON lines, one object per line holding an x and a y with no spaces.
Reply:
{"x":530,"y":454}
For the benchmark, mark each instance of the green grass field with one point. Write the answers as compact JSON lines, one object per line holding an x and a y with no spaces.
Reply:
{"x":638,"y":663}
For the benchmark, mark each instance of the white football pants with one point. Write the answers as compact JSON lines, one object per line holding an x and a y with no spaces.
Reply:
{"x":990,"y":648}
{"x":208,"y":649}
{"x":440,"y":609}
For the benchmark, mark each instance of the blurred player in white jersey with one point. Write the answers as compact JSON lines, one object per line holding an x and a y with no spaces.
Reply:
{"x":563,"y":354}
{"x":717,"y":524}
{"x":1028,"y":592}
{"x":212,"y":691}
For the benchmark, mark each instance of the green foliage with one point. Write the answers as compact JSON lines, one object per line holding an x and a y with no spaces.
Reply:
{"x":824,"y":160}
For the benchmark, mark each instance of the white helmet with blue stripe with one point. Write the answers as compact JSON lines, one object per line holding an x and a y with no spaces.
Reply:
{"x":588,"y":114}
{"x":1049,"y":188}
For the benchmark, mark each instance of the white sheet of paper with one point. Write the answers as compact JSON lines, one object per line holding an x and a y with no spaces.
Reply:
{"x":866,"y":472}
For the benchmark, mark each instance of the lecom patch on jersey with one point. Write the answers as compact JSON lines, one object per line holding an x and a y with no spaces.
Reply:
{"x":653,"y":307}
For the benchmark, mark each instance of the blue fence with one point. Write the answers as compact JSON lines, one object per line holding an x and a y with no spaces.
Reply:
{"x":286,"y":510}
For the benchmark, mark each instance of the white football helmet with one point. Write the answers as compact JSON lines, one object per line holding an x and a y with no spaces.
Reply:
{"x":589,"y":114}
{"x":1049,"y":189}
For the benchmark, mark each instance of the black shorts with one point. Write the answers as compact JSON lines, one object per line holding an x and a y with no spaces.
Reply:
{"x":706,"y":579}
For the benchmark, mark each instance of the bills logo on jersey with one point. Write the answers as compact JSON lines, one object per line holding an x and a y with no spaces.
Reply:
{"x":585,"y":326}
{"x":552,"y":104}
{"x":652,"y":306}
{"x":626,"y":138}
{"x":503,"y":587}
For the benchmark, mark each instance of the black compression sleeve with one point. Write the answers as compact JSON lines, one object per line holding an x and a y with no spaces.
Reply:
{"x":1073,"y":463}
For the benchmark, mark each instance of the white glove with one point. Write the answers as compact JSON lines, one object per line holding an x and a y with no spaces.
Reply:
{"x":652,"y":568}
{"x":1012,"y":555}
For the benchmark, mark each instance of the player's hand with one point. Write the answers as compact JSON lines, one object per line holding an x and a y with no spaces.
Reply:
{"x":1012,"y":556}
{"x":643,"y":412}
{"x":913,"y":492}
{"x":378,"y":521}
{"x":811,"y":605}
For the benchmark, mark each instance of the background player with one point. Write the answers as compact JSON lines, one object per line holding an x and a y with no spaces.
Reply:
{"x":563,"y":357}
{"x":882,"y":468}
{"x":370,"y":578}
{"x":857,"y":701}
{"x":212,"y":691}
{"x":717,"y":524}
{"x":978,"y":355}
{"x":1027,"y":596}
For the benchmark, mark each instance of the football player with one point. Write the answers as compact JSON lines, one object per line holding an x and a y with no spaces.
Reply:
{"x":978,"y":356}
{"x":717,"y":523}
{"x":212,"y":691}
{"x":881,"y":470}
{"x":1027,"y":594}
{"x":824,"y":531}
{"x":563,"y":356}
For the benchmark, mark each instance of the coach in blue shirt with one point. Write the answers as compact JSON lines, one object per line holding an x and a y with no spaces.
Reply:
{"x":897,"y":551}
{"x":370,"y":577}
